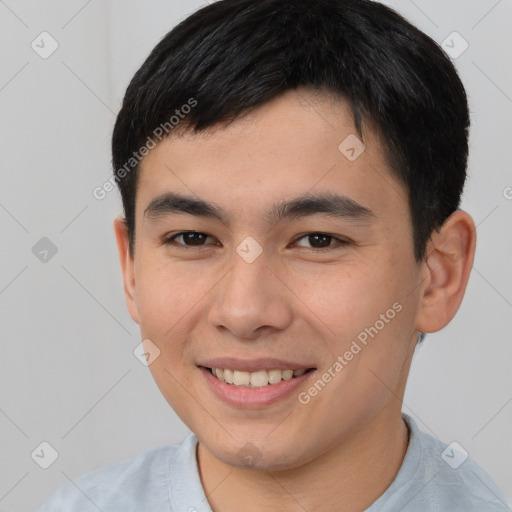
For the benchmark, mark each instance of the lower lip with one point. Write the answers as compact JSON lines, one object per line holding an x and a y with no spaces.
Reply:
{"x":243,"y":397}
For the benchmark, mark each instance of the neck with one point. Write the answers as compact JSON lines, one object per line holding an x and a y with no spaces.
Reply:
{"x":350,"y":476}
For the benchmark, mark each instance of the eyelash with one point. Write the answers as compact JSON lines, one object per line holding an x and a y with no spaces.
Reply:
{"x":170,"y":241}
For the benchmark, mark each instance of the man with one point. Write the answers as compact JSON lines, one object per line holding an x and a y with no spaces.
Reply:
{"x":291,"y":174}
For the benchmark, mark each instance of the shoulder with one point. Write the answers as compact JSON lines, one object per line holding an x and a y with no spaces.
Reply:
{"x":451,"y":480}
{"x":136,"y":483}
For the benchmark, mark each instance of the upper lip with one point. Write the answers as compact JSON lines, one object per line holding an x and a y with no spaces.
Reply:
{"x":253,"y":365}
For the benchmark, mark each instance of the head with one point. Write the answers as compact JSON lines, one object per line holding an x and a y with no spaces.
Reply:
{"x":291,"y":173}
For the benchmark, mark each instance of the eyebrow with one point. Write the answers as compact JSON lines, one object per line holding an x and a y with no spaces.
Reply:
{"x":330,"y":204}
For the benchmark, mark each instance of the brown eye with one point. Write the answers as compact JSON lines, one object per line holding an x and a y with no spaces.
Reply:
{"x":321,"y":241}
{"x":188,"y":239}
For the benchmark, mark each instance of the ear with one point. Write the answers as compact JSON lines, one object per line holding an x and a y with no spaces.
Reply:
{"x":127,"y":266}
{"x":446,"y":268}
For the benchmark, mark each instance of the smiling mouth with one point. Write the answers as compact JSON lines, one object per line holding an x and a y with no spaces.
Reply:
{"x":258,"y":379}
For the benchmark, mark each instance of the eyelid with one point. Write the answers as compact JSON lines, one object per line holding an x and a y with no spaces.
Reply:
{"x":340,"y":241}
{"x":170,"y":240}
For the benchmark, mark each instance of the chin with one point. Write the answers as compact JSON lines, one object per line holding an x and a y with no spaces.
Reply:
{"x":259,"y":454}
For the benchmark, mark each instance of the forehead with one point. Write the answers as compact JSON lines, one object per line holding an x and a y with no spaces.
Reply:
{"x":300,"y":142}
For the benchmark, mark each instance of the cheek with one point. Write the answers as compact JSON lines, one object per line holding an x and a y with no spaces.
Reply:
{"x":167,"y":296}
{"x":367,"y":314}
{"x":349,"y":298}
{"x":168,"y":301}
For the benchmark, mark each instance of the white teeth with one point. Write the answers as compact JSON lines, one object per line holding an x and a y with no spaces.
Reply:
{"x":228,"y":376}
{"x":241,"y":378}
{"x":274,"y":376}
{"x":259,"y":379}
{"x":255,"y":379}
{"x":287,"y":374}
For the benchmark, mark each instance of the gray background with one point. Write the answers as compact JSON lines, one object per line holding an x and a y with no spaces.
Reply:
{"x":68,"y":375}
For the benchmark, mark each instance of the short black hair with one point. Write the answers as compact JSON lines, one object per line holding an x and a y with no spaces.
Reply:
{"x":232,"y":56}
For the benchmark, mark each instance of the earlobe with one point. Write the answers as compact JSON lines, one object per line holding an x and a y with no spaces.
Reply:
{"x":127,"y":266}
{"x":447,"y":265}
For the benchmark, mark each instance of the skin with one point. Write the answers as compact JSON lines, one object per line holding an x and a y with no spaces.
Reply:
{"x":343,"y":449}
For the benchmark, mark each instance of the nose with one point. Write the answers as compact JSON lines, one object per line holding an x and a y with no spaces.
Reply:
{"x":251,"y":300}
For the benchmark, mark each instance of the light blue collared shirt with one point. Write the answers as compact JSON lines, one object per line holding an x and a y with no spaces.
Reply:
{"x":433,"y":477}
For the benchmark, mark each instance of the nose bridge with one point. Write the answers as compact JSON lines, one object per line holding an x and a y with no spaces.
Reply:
{"x":247,"y":276}
{"x":250,"y":296}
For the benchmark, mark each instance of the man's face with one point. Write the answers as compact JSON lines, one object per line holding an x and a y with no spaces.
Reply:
{"x":269,"y":288}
